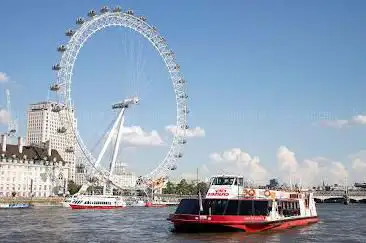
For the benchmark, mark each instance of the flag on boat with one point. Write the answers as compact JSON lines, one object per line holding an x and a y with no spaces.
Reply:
{"x":200,"y":200}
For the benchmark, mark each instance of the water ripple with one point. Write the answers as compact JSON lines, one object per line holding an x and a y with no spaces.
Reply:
{"x":339,"y":223}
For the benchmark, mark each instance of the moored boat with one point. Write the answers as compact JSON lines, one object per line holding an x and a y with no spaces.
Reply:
{"x":98,"y":202}
{"x":230,"y":204}
{"x":15,"y":205}
{"x":138,"y":203}
{"x":156,"y":204}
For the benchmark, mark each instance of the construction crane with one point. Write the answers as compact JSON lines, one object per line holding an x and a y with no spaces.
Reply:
{"x":12,"y":123}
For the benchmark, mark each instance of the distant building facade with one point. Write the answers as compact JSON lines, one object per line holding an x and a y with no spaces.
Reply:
{"x":31,"y":170}
{"x":80,"y":175}
{"x":123,"y":177}
{"x":45,"y":125}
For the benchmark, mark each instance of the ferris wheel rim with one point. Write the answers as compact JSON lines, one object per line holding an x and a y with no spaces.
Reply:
{"x":150,"y":33}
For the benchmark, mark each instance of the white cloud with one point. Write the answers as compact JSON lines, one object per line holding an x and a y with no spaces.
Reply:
{"x":338,"y":171}
{"x":355,"y":120}
{"x":135,"y":135}
{"x":3,"y":77}
{"x":286,"y":160}
{"x":310,"y":171}
{"x":334,"y":123}
{"x":4,"y":116}
{"x":237,"y":161}
{"x":359,"y":119}
{"x":358,"y":164}
{"x":190,"y":132}
{"x":215,"y":157}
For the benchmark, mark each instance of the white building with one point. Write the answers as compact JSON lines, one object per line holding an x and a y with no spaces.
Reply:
{"x":46,"y":123}
{"x":31,"y":170}
{"x":80,"y":175}
{"x":123,"y":177}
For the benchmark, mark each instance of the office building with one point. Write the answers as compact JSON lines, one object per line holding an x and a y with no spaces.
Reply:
{"x":46,"y":124}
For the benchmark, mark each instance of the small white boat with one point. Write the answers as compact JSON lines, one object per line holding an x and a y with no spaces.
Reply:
{"x":139,"y":203}
{"x":98,"y":202}
{"x":14,"y":205}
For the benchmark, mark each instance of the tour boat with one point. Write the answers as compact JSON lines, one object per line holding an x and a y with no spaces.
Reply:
{"x":230,"y":204}
{"x":98,"y":202}
{"x":15,"y":205}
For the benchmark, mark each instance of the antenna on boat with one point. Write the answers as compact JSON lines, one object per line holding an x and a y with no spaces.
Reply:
{"x":300,"y":184}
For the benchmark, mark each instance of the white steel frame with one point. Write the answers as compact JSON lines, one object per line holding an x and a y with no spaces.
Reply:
{"x":64,"y":80}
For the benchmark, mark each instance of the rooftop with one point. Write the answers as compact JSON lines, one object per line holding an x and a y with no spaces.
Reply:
{"x":32,"y":152}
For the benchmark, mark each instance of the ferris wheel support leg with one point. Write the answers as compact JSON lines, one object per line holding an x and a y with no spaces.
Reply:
{"x":116,"y":146}
{"x":109,"y":138}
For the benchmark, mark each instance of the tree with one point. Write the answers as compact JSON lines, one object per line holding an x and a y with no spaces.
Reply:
{"x":203,"y":187}
{"x":185,"y":188}
{"x":170,"y":188}
{"x":72,"y":187}
{"x":182,"y":187}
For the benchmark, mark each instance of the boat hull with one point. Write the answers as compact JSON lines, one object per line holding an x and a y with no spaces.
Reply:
{"x":155,"y":205}
{"x":250,"y":224}
{"x":100,"y":207}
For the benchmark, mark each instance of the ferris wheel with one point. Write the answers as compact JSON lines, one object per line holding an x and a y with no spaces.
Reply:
{"x":63,"y":86}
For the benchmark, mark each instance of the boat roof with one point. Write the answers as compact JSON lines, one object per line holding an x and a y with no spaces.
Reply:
{"x":227,"y":175}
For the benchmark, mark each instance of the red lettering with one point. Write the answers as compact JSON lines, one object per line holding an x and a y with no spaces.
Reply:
{"x":221,"y":190}
{"x":218,"y":194}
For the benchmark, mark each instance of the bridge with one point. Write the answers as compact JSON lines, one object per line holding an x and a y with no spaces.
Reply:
{"x":338,"y":195}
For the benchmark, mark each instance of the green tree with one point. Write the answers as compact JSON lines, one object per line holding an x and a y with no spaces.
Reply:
{"x":170,"y":188}
{"x":203,"y":187}
{"x":185,"y":188}
{"x":182,"y":187}
{"x":72,"y":187}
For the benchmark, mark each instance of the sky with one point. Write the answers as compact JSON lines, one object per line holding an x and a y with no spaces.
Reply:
{"x":276,"y":88}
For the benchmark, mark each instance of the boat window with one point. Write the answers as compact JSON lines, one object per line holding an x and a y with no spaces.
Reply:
{"x":220,"y":181}
{"x":188,"y":206}
{"x":218,"y":207}
{"x":245,"y":207}
{"x":232,"y":207}
{"x":240,"y":181}
{"x":289,"y":209}
{"x":260,"y":207}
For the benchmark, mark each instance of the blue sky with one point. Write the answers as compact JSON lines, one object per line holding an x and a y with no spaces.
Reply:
{"x":260,"y":73}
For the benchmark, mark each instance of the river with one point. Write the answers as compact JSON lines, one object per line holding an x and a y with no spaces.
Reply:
{"x":339,"y":223}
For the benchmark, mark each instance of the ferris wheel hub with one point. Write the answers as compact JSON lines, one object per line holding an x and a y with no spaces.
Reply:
{"x":126,"y":102}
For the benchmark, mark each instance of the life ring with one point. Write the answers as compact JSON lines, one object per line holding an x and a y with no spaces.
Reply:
{"x":251,"y":192}
{"x":267,"y":193}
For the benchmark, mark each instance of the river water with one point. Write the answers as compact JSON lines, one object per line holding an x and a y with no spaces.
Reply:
{"x":339,"y":223}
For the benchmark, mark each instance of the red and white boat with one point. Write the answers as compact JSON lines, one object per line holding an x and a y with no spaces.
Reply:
{"x":230,"y":204}
{"x":98,"y":202}
{"x":156,"y":204}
